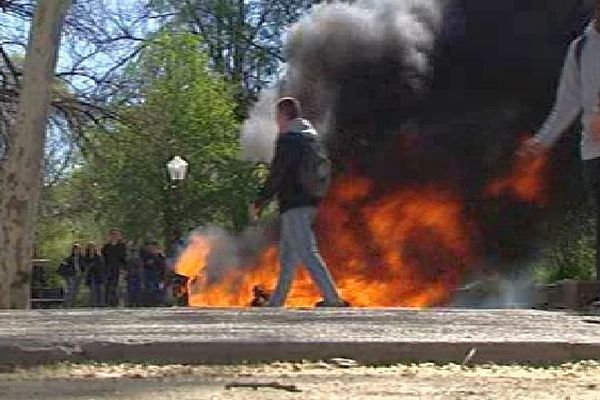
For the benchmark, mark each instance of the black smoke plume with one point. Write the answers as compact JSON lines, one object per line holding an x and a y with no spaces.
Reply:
{"x":461,"y":81}
{"x":436,"y":92}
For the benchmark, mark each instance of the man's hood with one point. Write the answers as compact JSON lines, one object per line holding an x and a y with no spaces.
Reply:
{"x":302,"y":126}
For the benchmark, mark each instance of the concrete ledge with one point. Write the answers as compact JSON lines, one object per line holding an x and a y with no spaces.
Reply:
{"x":370,"y":353}
{"x":233,"y":336}
{"x":367,"y":353}
{"x":567,"y":294}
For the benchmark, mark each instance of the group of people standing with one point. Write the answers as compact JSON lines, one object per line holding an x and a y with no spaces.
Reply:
{"x":145,"y":271}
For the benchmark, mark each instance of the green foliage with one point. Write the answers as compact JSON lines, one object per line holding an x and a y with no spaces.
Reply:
{"x":66,"y":217}
{"x":570,"y":252}
{"x":183,"y":109}
{"x":179,"y":107}
{"x":243,"y":39}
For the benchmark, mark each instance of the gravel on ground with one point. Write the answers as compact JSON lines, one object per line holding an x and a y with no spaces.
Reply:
{"x":322,"y":380}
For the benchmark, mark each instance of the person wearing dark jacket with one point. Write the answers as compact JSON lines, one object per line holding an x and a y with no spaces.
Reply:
{"x":134,"y":277}
{"x":95,"y":275}
{"x":297,"y":207}
{"x":154,"y":267}
{"x":115,"y":255}
{"x":72,"y":270}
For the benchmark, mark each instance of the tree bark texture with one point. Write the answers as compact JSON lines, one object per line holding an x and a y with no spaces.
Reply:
{"x":22,"y":169}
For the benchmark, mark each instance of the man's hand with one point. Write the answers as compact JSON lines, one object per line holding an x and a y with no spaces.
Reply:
{"x":253,"y":212}
{"x":532,"y":147}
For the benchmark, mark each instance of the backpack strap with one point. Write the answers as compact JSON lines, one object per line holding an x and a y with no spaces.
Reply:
{"x":579,"y":45}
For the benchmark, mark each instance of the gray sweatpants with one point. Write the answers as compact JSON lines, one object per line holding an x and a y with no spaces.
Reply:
{"x":299,"y":245}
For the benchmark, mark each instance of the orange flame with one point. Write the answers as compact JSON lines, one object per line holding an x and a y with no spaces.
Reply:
{"x":194,"y":256}
{"x":407,"y":248}
{"x":525,"y":182}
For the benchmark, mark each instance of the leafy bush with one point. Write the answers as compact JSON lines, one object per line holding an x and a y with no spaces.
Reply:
{"x":570,"y":252}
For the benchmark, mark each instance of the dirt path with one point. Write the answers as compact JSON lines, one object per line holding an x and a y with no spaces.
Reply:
{"x":315,"y":381}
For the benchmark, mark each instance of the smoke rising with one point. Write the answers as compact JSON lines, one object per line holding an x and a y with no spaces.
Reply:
{"x":231,"y":251}
{"x":431,"y":93}
{"x":374,"y":50}
{"x":340,"y":45}
{"x":260,"y":130}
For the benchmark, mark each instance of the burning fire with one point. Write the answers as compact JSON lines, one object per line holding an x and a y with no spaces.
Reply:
{"x":524,"y":182}
{"x":404,"y":248}
{"x":407,"y":248}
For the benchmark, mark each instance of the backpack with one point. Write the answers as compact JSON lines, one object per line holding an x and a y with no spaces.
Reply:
{"x":315,"y":167}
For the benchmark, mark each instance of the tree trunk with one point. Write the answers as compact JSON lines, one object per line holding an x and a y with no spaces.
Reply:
{"x":22,"y":169}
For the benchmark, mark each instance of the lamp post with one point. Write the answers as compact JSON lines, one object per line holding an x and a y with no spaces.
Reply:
{"x":177,"y":169}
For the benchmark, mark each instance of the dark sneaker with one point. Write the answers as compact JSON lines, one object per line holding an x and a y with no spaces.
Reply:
{"x":341,"y":303}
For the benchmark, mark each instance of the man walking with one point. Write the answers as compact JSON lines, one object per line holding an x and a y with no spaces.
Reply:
{"x":294,"y":180}
{"x":578,"y":92}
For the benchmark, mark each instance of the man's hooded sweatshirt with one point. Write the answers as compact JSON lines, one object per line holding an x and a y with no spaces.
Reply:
{"x":284,"y":178}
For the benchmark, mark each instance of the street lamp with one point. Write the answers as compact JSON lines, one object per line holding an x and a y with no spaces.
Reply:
{"x":177,"y":168}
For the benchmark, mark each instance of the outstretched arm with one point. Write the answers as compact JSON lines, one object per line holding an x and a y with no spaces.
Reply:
{"x":568,"y":101}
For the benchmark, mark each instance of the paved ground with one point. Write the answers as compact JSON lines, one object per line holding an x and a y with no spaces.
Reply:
{"x":234,"y":335}
{"x":309,"y":380}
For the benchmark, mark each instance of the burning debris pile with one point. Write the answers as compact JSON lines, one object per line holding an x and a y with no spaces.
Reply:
{"x":422,"y":121}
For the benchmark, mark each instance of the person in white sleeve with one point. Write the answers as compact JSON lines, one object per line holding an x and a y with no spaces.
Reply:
{"x":578,"y":94}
